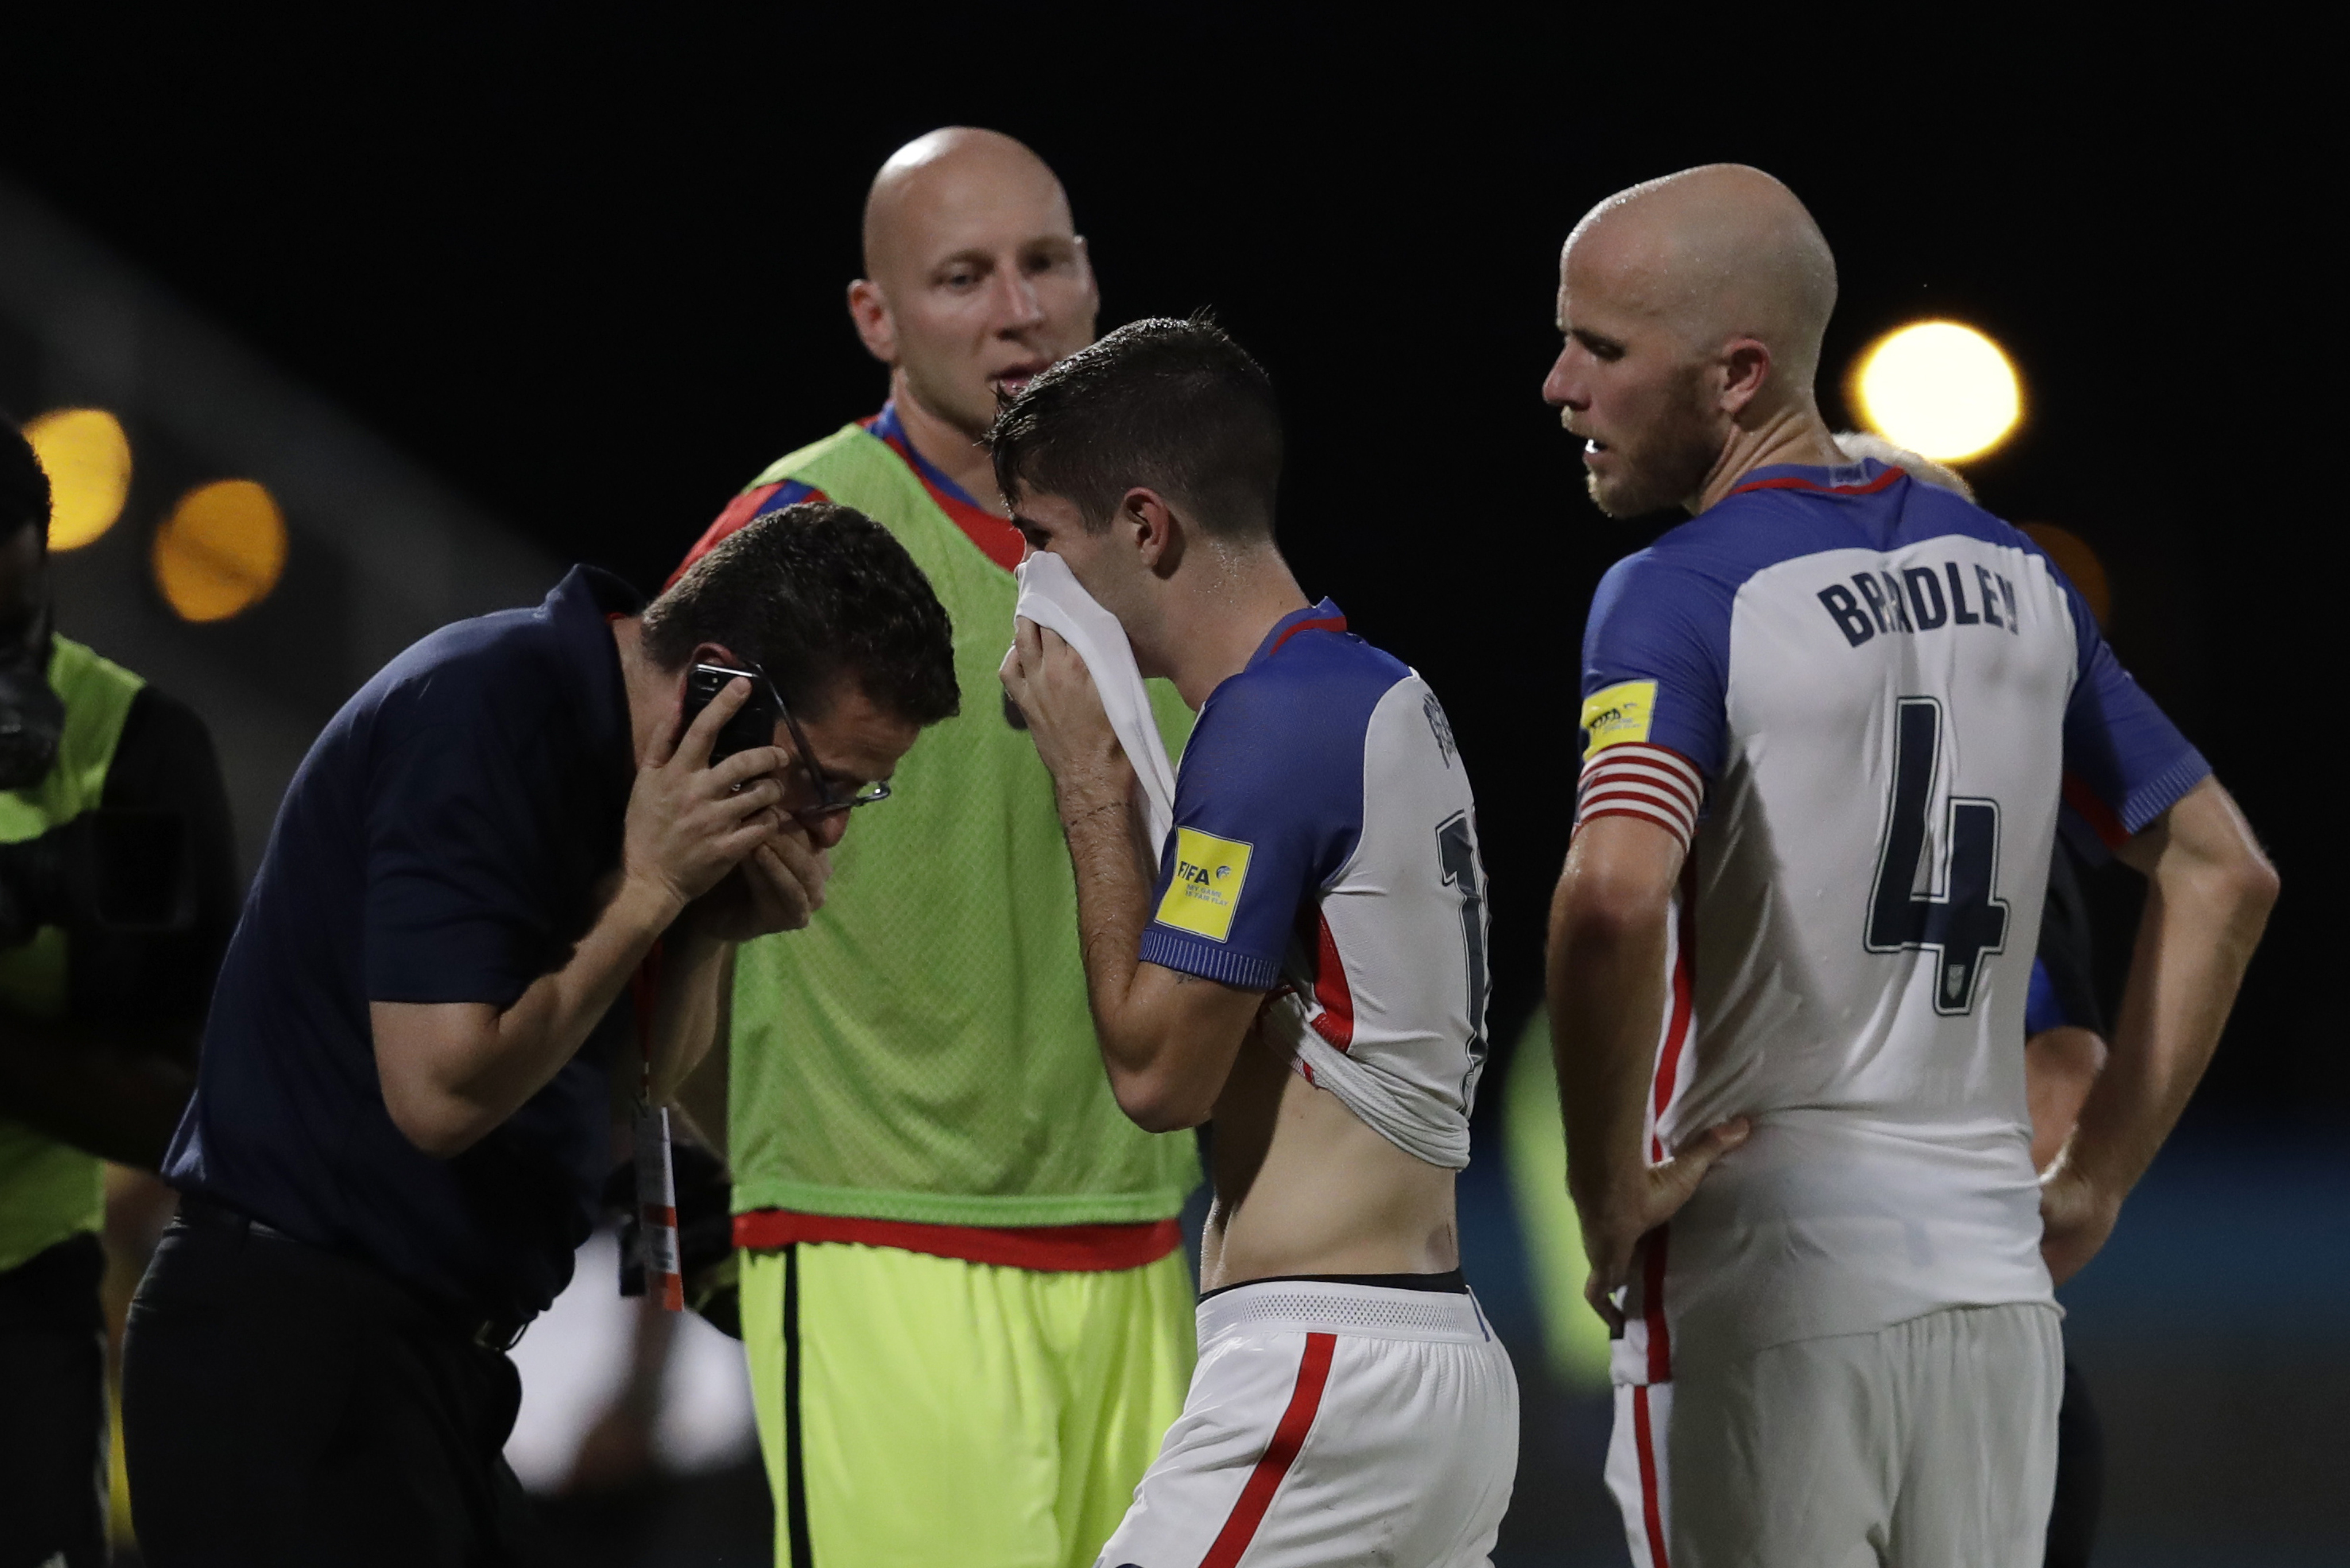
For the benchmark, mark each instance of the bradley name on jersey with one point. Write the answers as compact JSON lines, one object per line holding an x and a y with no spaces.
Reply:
{"x":1922,"y":607}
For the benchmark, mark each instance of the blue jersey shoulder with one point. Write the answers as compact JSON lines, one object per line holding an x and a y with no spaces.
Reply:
{"x":1274,"y":768}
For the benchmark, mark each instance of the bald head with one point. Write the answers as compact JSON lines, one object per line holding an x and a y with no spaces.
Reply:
{"x":1719,"y":252}
{"x":974,"y":280}
{"x":943,"y":180}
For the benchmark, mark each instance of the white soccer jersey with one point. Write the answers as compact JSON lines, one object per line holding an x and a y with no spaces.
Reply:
{"x":1326,"y":848}
{"x":1876,"y":694}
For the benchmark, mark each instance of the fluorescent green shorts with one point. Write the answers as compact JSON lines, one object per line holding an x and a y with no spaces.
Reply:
{"x":916,"y":1411}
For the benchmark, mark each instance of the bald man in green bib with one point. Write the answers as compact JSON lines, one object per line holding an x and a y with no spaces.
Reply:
{"x":963,"y":1293}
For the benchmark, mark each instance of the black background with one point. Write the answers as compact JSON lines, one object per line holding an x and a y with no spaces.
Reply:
{"x":590,"y":269}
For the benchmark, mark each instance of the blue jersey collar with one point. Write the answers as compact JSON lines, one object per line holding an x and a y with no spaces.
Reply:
{"x":1323,"y":616}
{"x":889,"y":428}
{"x":1865,"y":477}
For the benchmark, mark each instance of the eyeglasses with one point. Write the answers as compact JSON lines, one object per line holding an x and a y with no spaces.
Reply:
{"x":829,"y":803}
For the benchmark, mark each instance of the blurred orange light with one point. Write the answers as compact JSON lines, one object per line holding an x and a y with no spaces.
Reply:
{"x":220,"y":551}
{"x":87,"y":460}
{"x":2077,"y":561}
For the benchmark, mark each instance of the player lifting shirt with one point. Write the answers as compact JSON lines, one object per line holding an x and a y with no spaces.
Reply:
{"x":1303,"y":961}
{"x":1833,"y":722}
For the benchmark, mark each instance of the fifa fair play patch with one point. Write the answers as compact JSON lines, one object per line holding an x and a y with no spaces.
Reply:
{"x":1209,"y":874}
{"x":1616,"y":715}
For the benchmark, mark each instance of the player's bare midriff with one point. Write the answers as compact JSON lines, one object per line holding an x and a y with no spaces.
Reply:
{"x":1303,"y":1187}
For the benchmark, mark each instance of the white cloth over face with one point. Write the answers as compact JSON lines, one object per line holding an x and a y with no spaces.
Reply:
{"x":1050,"y":596}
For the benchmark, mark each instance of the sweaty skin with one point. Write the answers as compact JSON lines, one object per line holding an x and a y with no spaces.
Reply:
{"x":1692,"y":308}
{"x":976,"y":280}
{"x":1303,"y":1187}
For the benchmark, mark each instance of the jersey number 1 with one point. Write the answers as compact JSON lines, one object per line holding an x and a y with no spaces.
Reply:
{"x":1967,"y":921}
{"x":1457,"y":855}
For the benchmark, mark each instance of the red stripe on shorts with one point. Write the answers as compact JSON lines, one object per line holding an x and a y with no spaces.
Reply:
{"x":1289,"y":1437}
{"x":1652,"y":1512}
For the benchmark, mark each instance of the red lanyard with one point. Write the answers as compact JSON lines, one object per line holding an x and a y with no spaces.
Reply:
{"x":656,"y":1183}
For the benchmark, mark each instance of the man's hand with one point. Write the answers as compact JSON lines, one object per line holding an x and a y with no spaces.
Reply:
{"x":690,"y":823}
{"x":779,"y":887}
{"x":2075,"y":1218}
{"x":1056,"y":693}
{"x":1613,"y":1227}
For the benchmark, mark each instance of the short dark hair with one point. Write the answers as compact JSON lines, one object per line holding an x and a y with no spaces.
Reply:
{"x":24,"y":485}
{"x":1174,"y":406}
{"x":815,"y":593}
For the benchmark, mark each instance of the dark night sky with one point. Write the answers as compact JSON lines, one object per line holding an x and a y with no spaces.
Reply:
{"x":590,"y":270}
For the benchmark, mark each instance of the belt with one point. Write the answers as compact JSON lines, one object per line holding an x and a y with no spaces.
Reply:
{"x":490,"y":1332}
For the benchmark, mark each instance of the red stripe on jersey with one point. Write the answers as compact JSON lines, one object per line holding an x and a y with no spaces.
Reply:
{"x":1326,"y":623}
{"x":997,"y":539}
{"x":2094,"y":812}
{"x":1677,"y":1025}
{"x":1791,"y":482}
{"x":1652,"y":1304}
{"x":739,"y":511}
{"x":1652,"y":1510}
{"x":1335,"y":1022}
{"x":1256,"y":1497}
{"x":1043,"y":1249}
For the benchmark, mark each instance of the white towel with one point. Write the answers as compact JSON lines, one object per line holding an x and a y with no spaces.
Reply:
{"x":1051,"y":597}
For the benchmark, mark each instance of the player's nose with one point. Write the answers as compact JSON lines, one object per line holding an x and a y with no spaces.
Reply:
{"x":1561,"y":389}
{"x":1019,"y":305}
{"x":829,"y":830}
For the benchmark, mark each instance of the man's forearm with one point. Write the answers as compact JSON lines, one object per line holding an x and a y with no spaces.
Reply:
{"x":1607,"y":998}
{"x":2201,"y":922}
{"x":1113,"y":907}
{"x":450,"y":1071}
{"x":692,"y":969}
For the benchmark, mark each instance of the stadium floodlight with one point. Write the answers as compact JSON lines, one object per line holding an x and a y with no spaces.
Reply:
{"x":1940,"y":388}
{"x":87,"y":460}
{"x":220,"y":551}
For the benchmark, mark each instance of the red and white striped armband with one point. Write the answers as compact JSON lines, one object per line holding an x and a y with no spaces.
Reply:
{"x":1633,"y":778}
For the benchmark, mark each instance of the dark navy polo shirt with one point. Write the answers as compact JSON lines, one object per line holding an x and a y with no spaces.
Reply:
{"x":442,"y":842}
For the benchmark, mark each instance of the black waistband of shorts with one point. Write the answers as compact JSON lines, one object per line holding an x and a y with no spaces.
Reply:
{"x":1448,"y":1282}
{"x":490,"y":1333}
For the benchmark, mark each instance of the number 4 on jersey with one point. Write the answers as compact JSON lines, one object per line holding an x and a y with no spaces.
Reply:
{"x":1967,"y":921}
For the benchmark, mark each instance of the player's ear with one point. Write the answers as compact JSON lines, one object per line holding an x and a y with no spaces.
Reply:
{"x":869,"y":309}
{"x":1144,"y":516}
{"x":1745,"y":369}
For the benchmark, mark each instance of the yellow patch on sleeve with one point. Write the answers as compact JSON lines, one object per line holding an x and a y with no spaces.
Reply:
{"x":1208,"y":875}
{"x":1619,"y":714}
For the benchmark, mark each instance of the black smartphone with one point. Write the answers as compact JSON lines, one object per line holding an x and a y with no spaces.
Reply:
{"x":753,"y":723}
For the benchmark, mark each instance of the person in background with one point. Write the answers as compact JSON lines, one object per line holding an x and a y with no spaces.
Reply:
{"x":963,"y":1287}
{"x":403,"y":1115}
{"x":118,"y":891}
{"x":2064,"y":1050}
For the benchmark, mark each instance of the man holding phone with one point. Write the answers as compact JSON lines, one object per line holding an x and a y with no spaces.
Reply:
{"x":402,"y":1118}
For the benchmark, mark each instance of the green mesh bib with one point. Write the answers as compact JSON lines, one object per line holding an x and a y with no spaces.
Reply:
{"x":923,"y":1051}
{"x":49,"y":1191}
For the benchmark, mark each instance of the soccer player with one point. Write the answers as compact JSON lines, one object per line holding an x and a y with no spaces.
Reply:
{"x":964,"y":1294}
{"x":1304,"y":961}
{"x":1830,"y":721}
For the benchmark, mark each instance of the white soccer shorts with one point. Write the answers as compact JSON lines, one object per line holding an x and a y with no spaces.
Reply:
{"x":1930,"y":1444}
{"x":1331,"y":1424}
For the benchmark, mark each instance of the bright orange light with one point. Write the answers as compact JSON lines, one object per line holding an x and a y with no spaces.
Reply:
{"x":1942,"y":389}
{"x":87,"y":460}
{"x":220,"y":551}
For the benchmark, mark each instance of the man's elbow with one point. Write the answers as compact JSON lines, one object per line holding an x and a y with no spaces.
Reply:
{"x":1157,"y":1102}
{"x":1604,"y":912}
{"x":437,"y":1123}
